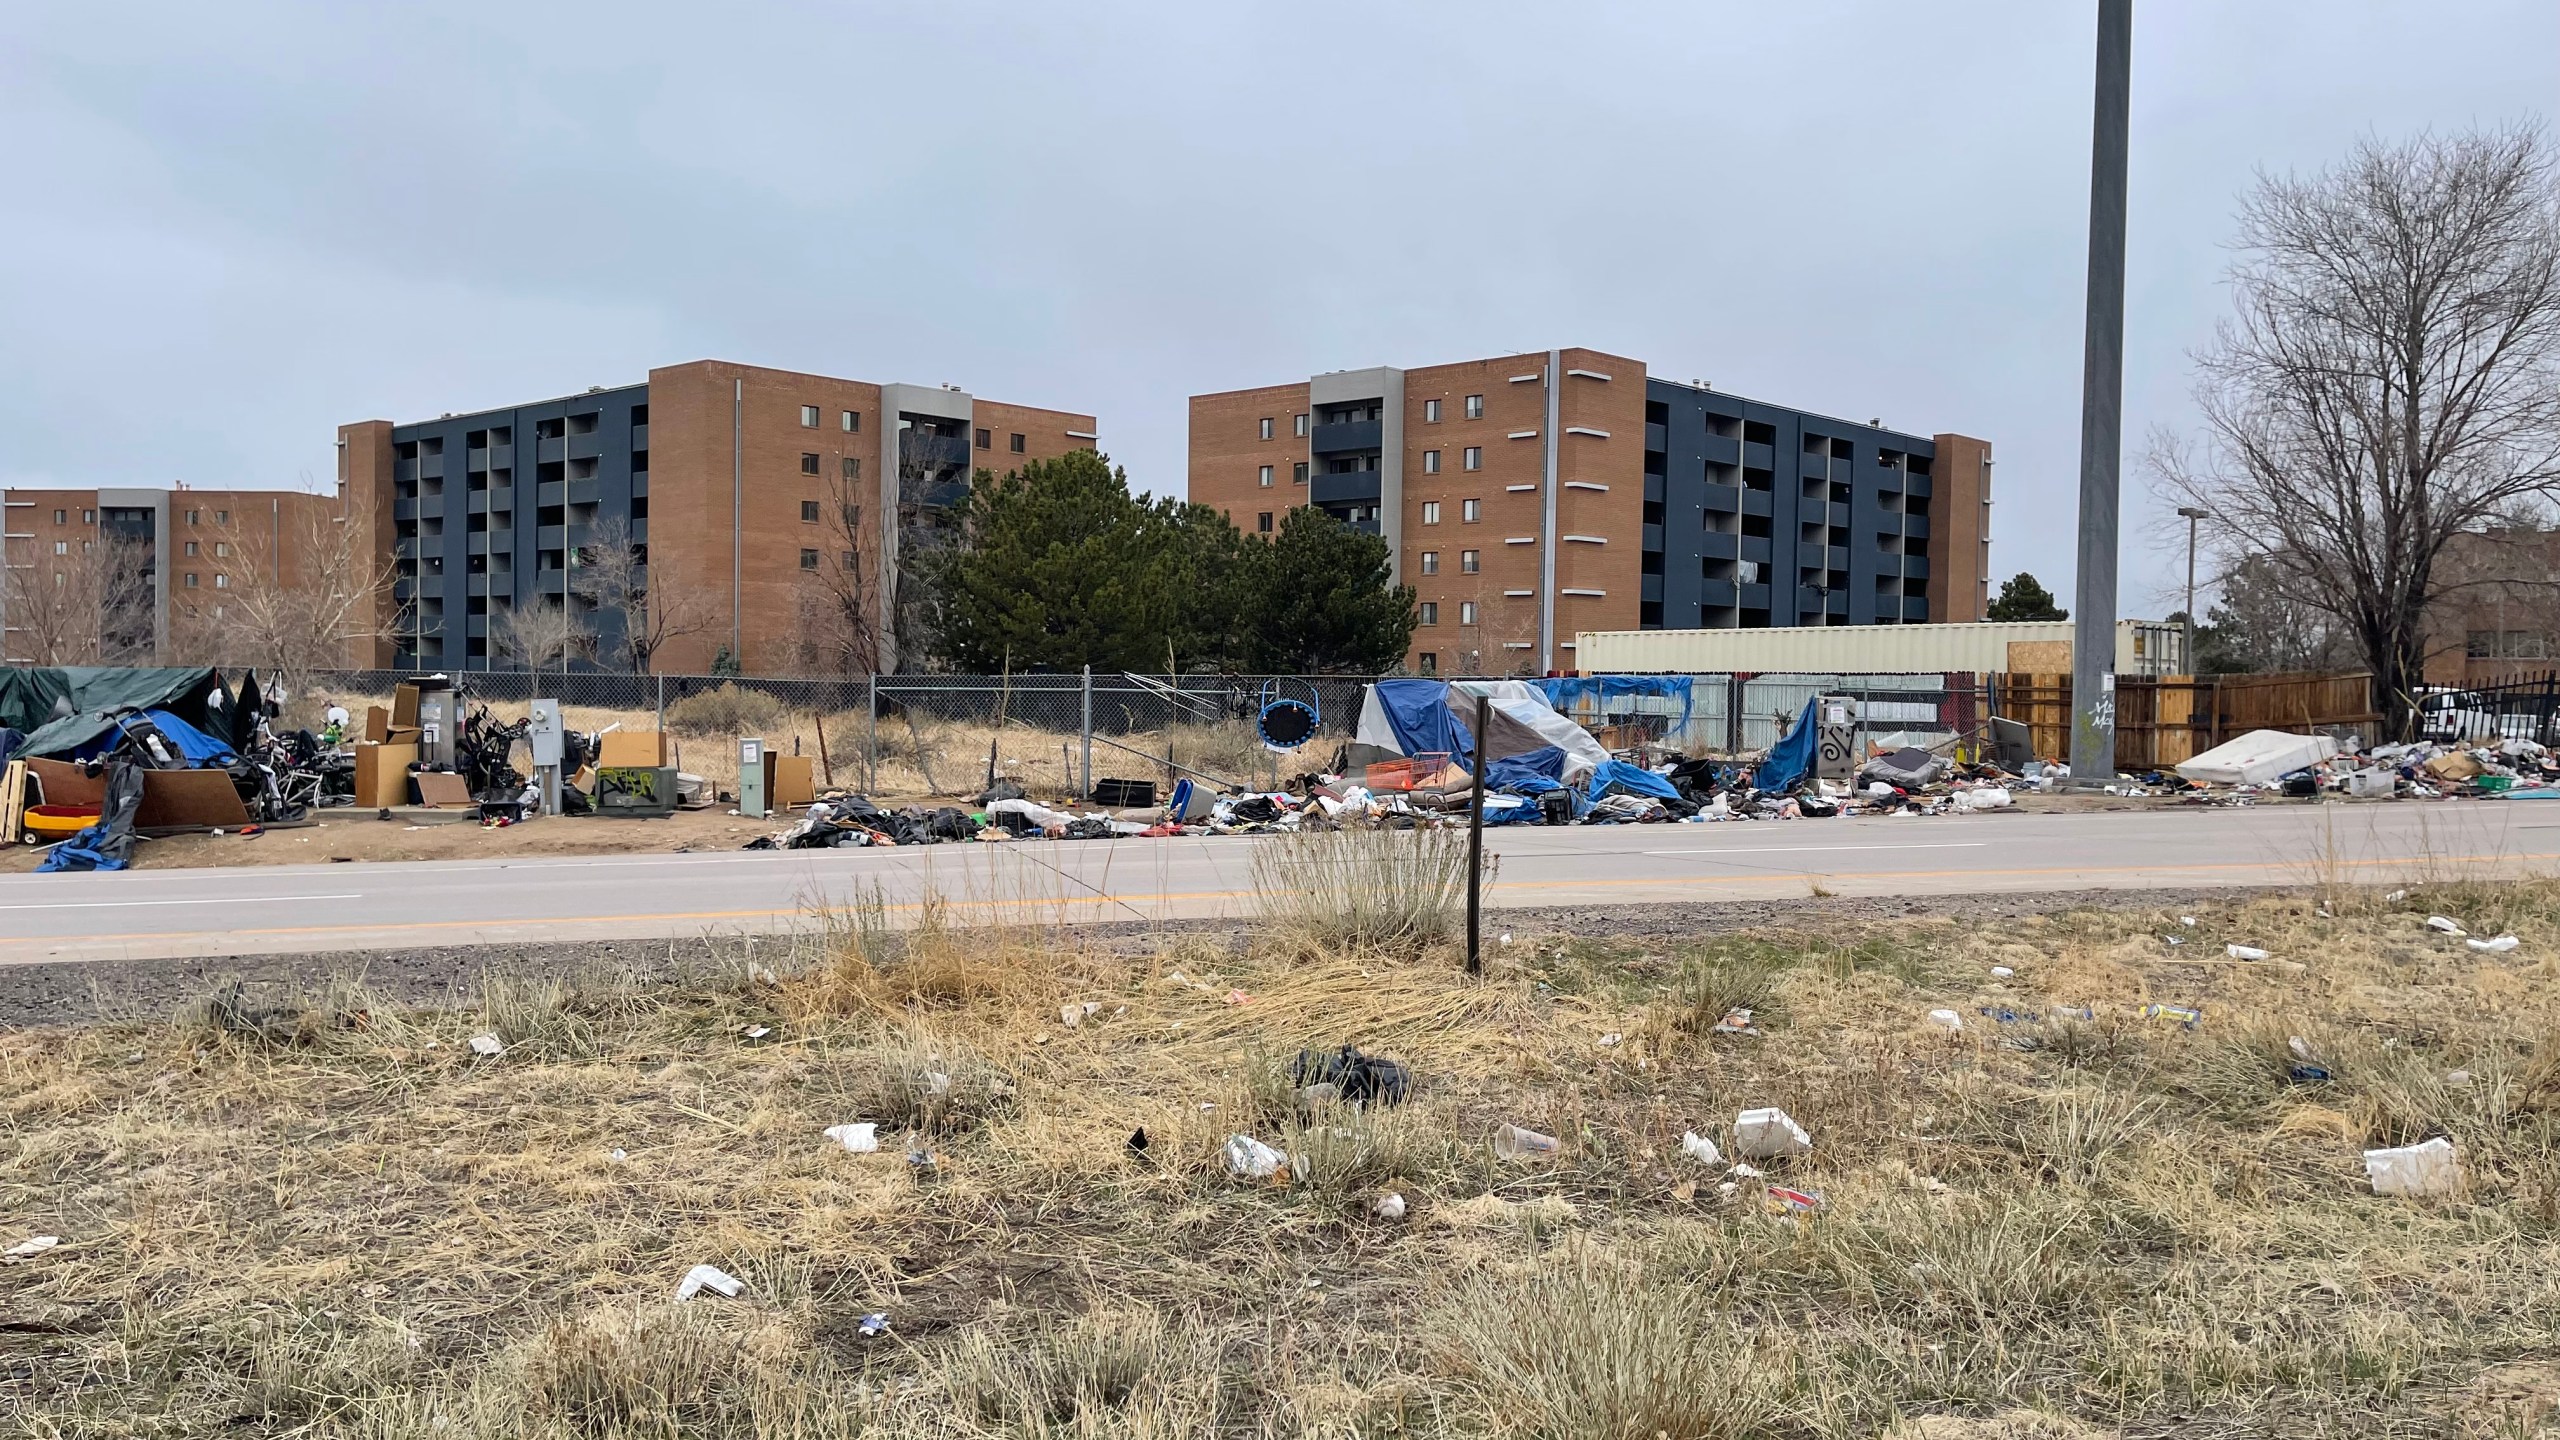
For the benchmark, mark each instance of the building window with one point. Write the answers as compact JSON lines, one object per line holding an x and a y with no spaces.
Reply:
{"x":1470,"y":511}
{"x":191,"y":549}
{"x":852,"y":422}
{"x":1430,"y":612}
{"x":221,"y":582}
{"x":1467,"y":562}
{"x":1472,"y":457}
{"x":852,"y":467}
{"x":1475,"y":407}
{"x":809,"y":417}
{"x":1262,"y":523}
{"x":1018,"y":443}
{"x":808,"y":559}
{"x":88,"y":517}
{"x":61,"y":516}
{"x":1430,"y":512}
{"x":1430,"y":462}
{"x":808,"y":463}
{"x":191,"y":516}
{"x":850,"y":563}
{"x":852,"y":517}
{"x":1298,"y":473}
{"x":63,"y":547}
{"x":986,"y":439}
{"x":191,"y":579}
{"x":222,"y":549}
{"x":1430,"y":562}
{"x":1466,"y":612}
{"x":809,"y":512}
{"x":1430,"y":412}
{"x":1266,"y":427}
{"x":221,"y":517}
{"x":1299,"y":425}
{"x":1263,"y":477}
{"x":1428,"y":662}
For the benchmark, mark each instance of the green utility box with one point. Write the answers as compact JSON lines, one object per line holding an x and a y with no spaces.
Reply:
{"x":636,"y":792}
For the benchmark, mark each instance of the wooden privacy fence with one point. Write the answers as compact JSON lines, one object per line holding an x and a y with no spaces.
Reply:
{"x":2165,"y":719}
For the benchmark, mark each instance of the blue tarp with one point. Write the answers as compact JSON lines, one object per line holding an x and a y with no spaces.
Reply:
{"x":1418,"y":711}
{"x":1563,"y":691}
{"x":1791,"y":759}
{"x":1619,"y":777}
{"x":1534,"y":772}
{"x":194,"y":746}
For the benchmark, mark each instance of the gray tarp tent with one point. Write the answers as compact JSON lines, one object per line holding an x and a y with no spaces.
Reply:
{"x":67,"y":706}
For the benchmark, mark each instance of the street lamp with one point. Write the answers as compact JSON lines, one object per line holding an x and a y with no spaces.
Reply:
{"x":2191,"y":515}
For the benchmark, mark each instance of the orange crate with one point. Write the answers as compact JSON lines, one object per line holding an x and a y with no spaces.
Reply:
{"x":1407,"y":773}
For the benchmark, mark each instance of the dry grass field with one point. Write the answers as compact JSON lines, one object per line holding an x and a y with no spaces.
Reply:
{"x":331,"y":1219}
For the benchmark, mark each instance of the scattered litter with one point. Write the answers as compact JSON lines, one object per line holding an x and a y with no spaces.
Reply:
{"x":618,"y":1156}
{"x":1727,"y":1187}
{"x":1610,"y":1039}
{"x":2301,"y":1049}
{"x":712,"y":1278}
{"x":32,"y":1246}
{"x":2499,"y":946}
{"x":2396,"y":896}
{"x":1946,"y":1020}
{"x":1250,"y":1159}
{"x":1700,"y":1148}
{"x":1795,"y":1201}
{"x":2174,"y":941}
{"x":1138,"y":1141}
{"x":1513,"y":1143}
{"x":2187,"y":920}
{"x":489,"y":1045}
{"x":1389,"y":1207}
{"x":1506,"y":939}
{"x":2187,"y":1015}
{"x":1238,"y":997}
{"x":875,"y":1325}
{"x":921,"y":1161}
{"x":757,"y":1032}
{"x":1356,"y":1079}
{"x":2445,"y":924}
{"x":861,"y":1139}
{"x":1736,"y":1022}
{"x":2002,"y":972}
{"x":2457,"y":1077}
{"x":1747,"y":1172}
{"x":2245,"y":952}
{"x":2415,"y":1170}
{"x":1769,"y":1134}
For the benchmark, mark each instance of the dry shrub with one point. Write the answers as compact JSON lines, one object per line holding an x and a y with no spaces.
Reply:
{"x":1134,"y":1374}
{"x":1582,"y":1349}
{"x":872,"y":967}
{"x":663,"y":1370}
{"x":1713,"y":985}
{"x":728,"y":711}
{"x":934,"y":1084}
{"x":2077,"y":1133}
{"x":1395,"y":892}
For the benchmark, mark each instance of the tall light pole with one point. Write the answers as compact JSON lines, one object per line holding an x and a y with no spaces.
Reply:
{"x":2093,"y":640}
{"x":2191,"y":515}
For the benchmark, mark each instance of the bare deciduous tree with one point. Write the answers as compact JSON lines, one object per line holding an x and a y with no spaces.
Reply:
{"x":91,"y":605}
{"x":619,"y":576}
{"x":839,"y":601}
{"x":538,"y":635}
{"x":2390,"y":381}
{"x":301,"y":597}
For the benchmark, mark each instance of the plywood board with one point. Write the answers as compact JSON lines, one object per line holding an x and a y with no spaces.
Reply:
{"x":2040,"y":656}
{"x":64,"y":783}
{"x":177,"y":799}
{"x":633,"y":750}
{"x":789,"y":780}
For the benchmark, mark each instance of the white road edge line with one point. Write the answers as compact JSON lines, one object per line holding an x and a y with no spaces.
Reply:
{"x":135,"y":904}
{"x":1821,"y":849}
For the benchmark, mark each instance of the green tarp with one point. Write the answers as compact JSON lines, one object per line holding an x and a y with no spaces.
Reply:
{"x":33,"y":699}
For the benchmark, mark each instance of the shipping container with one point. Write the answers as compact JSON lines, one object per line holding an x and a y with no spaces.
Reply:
{"x":2143,"y":647}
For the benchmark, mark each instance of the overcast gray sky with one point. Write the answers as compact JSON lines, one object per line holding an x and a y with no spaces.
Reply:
{"x":232,"y":227}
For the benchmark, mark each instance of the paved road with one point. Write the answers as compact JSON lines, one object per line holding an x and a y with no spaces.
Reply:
{"x":297,"y":909}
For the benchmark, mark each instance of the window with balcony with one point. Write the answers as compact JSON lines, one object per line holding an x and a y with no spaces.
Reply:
{"x":1467,"y":562}
{"x":1430,"y":562}
{"x":583,"y":424}
{"x":808,"y":417}
{"x":1475,"y":407}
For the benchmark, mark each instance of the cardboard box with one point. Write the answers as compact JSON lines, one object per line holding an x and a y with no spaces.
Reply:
{"x":789,"y":780}
{"x":377,"y":724}
{"x":404,"y":706}
{"x":382,"y":774}
{"x":633,"y":750}
{"x":443,"y":790}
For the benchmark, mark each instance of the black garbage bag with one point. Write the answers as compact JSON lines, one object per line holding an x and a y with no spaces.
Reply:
{"x":1089,"y":828}
{"x":1905,"y":769}
{"x":1357,"y":1078}
{"x":1255,"y":810}
{"x":949,"y":824}
{"x":1006,"y":789}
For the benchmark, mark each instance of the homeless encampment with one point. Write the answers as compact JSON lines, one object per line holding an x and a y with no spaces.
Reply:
{"x":1401,"y":719}
{"x":69,"y":708}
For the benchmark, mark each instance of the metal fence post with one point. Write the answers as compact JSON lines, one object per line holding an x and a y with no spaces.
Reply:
{"x":1087,"y":766}
{"x":871,"y":738}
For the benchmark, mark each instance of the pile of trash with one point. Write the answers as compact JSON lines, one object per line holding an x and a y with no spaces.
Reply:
{"x":2273,"y":763}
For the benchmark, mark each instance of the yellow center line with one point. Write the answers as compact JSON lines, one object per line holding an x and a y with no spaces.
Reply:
{"x":2281,"y":870}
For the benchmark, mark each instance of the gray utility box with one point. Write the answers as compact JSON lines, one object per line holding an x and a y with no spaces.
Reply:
{"x":636,"y":792}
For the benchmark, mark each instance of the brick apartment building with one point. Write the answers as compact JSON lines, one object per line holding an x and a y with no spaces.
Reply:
{"x":1527,"y":497}
{"x":749,"y":487}
{"x":117,"y":575}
